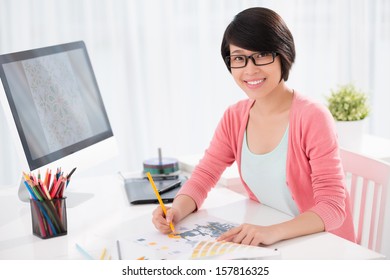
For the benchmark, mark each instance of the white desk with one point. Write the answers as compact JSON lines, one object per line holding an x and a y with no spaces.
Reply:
{"x":107,"y":216}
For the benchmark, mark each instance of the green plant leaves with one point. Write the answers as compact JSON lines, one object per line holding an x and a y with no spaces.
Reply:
{"x":348,"y":104}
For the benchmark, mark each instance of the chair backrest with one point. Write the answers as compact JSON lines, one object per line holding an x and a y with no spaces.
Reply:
{"x":367,"y":181}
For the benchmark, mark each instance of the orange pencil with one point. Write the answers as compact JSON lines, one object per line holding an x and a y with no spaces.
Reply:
{"x":46,"y":184}
{"x":46,"y":177}
{"x":159,"y":199}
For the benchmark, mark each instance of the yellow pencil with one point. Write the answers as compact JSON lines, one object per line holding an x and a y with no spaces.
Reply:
{"x":159,"y":199}
{"x":103,"y":254}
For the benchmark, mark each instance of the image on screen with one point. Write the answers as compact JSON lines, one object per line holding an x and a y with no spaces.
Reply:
{"x":55,"y":101}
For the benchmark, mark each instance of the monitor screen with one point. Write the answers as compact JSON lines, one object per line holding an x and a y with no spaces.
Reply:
{"x":54,"y":103}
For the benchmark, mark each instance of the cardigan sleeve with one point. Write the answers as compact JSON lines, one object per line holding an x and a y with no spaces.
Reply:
{"x":319,"y":142}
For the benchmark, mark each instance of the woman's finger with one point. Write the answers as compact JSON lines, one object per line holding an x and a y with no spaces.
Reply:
{"x":230,"y":234}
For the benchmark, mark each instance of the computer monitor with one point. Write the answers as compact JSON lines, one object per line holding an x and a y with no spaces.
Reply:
{"x":54,"y":109}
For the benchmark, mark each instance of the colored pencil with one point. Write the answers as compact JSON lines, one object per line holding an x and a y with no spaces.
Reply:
{"x":103,"y":254}
{"x":119,"y":250}
{"x":83,"y":252}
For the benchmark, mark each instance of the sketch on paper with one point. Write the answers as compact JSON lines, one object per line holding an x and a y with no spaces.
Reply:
{"x":187,"y":238}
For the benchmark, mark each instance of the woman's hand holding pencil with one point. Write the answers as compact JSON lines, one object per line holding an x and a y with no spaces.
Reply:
{"x":161,"y":221}
{"x":162,"y":206}
{"x":182,"y":206}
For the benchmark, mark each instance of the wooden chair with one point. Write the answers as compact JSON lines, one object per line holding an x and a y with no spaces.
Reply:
{"x":367,"y":181}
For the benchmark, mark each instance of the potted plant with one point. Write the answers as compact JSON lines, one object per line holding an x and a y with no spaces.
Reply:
{"x":349,"y":108}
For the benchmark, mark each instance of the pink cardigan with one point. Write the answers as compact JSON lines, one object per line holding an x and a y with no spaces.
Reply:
{"x":314,"y":172}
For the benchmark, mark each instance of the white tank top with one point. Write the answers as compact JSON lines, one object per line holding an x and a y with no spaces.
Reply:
{"x":265,"y":175}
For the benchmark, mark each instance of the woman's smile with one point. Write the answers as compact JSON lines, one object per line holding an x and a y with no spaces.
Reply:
{"x":253,"y":84}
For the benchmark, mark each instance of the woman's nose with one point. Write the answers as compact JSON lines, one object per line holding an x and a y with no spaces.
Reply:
{"x":251,"y":68}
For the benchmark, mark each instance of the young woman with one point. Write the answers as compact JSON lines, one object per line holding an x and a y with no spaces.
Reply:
{"x":284,"y":144}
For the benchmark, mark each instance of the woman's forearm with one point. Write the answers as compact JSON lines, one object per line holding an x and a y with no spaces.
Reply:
{"x":185,"y":206}
{"x":304,"y":224}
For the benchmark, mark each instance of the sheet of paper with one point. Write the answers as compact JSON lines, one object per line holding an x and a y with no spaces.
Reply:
{"x":179,"y":246}
{"x":196,"y":239}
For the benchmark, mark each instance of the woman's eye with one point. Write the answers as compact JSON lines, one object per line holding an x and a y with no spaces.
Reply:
{"x":261,"y":55}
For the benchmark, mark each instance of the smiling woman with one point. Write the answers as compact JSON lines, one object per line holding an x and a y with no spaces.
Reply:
{"x":284,"y":144}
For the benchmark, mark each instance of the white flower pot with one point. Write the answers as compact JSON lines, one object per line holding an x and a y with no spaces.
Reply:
{"x":350,"y":134}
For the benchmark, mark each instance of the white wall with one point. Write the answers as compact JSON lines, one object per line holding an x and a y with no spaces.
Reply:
{"x":160,"y":72}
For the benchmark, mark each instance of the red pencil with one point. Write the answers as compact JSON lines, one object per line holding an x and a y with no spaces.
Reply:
{"x":54,"y":189}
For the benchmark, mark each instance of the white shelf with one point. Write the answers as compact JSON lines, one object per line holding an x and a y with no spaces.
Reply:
{"x":376,"y":147}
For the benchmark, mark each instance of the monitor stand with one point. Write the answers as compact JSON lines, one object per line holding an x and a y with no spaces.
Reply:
{"x":23,"y":193}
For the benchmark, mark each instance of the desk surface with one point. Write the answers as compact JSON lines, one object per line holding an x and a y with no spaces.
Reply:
{"x":99,"y":214}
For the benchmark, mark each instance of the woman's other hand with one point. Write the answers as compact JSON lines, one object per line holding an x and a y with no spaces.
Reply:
{"x":249,"y":234}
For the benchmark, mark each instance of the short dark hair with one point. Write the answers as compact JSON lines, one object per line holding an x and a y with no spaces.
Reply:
{"x":261,"y":29}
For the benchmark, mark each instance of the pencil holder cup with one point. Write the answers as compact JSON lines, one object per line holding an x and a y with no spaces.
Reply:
{"x":49,"y":217}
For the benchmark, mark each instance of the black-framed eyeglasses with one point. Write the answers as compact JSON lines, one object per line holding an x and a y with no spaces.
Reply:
{"x":258,"y":59}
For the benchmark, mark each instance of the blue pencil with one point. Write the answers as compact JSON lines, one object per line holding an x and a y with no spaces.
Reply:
{"x":83,"y":252}
{"x":41,"y":208}
{"x":30,"y":190}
